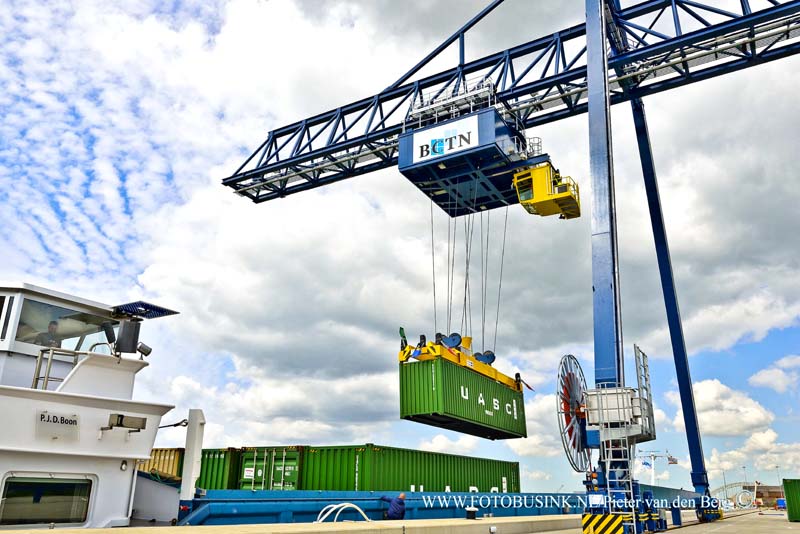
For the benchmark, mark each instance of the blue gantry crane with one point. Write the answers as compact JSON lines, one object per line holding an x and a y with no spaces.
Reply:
{"x":459,"y":136}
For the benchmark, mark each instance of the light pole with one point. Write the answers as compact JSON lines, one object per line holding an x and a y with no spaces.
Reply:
{"x":780,"y":480}
{"x":725,"y":486}
{"x":744,"y":468}
{"x":652,"y":456}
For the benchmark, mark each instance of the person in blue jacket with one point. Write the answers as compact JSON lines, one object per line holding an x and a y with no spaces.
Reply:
{"x":397,"y":507}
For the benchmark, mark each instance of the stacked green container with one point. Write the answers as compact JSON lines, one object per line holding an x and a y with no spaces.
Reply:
{"x":349,"y":468}
{"x":443,"y":394}
{"x":270,"y":468}
{"x":374,"y":468}
{"x":219,"y":469}
{"x":335,"y":468}
{"x":791,"y":489}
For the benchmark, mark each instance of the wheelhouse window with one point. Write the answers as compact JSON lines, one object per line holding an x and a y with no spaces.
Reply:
{"x":30,"y":501}
{"x":48,"y":325}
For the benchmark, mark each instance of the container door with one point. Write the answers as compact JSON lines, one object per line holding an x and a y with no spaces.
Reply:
{"x":286,"y":472}
{"x":256,"y":469}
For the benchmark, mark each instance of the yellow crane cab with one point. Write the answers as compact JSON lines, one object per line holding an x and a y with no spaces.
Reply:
{"x":542,"y":190}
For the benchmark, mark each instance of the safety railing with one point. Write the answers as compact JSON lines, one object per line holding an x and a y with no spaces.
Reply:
{"x":521,"y":149}
{"x":564,"y":184}
{"x":48,"y":355}
{"x":445,"y":103}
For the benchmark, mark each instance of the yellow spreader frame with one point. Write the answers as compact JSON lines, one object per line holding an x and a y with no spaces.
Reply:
{"x":542,"y":190}
{"x":462,"y":357}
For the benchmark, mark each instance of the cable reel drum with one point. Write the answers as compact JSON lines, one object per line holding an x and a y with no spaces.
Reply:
{"x":571,"y":410}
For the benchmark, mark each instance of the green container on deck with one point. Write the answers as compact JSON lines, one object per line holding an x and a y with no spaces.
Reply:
{"x":443,"y":394}
{"x":270,"y":468}
{"x":375,"y":468}
{"x":219,"y":469}
{"x":791,"y":488}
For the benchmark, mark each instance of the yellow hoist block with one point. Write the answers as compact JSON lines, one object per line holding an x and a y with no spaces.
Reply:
{"x":461,"y":356}
{"x":543,"y":191}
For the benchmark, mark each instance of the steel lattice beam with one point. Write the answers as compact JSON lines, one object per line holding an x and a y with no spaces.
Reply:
{"x":671,"y":43}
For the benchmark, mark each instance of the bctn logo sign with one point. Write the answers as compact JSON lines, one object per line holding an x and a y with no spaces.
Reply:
{"x":446,"y":139}
{"x":438,"y":147}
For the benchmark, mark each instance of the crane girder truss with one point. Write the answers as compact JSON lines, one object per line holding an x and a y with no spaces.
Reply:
{"x":670,"y":43}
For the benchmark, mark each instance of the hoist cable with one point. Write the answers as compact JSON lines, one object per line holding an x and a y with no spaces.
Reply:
{"x":483,"y":292}
{"x":452,"y":277}
{"x":469,"y":232}
{"x":500,"y":281}
{"x":466,"y":275}
{"x":469,"y":226}
{"x":433,"y":269}
{"x":481,"y":252}
{"x":449,"y":288}
{"x":485,"y":284}
{"x":447,"y":281}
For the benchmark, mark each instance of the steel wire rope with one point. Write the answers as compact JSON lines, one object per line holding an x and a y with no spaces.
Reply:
{"x":469,"y":232}
{"x":484,"y":276}
{"x":452,"y":271}
{"x":500,"y":281}
{"x":447,"y":279}
{"x":482,"y":269}
{"x":466,"y":274}
{"x":433,"y":268}
{"x":468,"y":296}
{"x":447,"y":265}
{"x":451,"y":231}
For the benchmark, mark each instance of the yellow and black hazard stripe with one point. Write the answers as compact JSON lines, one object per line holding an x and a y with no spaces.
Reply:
{"x":604,"y":523}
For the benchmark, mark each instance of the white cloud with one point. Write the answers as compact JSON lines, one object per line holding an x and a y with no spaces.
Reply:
{"x":441,"y":443}
{"x":789,"y":362}
{"x":661,"y":418}
{"x":722,"y":411}
{"x":780,"y":377}
{"x":643,"y":474}
{"x":543,"y":439}
{"x":774,"y":378}
{"x":534,"y":474}
{"x":760,"y":454}
{"x":254,"y":407}
{"x":719,"y":326}
{"x":119,"y":121}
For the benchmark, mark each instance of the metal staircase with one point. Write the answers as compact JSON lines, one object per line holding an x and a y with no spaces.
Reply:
{"x":622,"y":417}
{"x":615,"y":418}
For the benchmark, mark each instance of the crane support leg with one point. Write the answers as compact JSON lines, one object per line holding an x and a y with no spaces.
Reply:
{"x":608,"y":363}
{"x":699,"y":474}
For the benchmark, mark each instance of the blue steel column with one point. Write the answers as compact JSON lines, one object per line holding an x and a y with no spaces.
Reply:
{"x":608,"y":364}
{"x":699,"y":474}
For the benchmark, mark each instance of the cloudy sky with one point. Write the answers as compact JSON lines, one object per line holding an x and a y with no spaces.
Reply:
{"x":118,"y":121}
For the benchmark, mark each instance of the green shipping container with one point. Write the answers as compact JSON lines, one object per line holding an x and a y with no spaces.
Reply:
{"x":791,"y":488}
{"x":446,"y":395}
{"x":219,"y":469}
{"x":376,"y":468}
{"x":270,"y":468}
